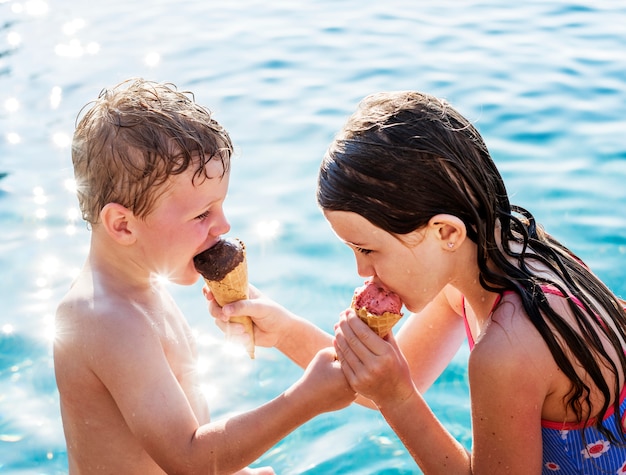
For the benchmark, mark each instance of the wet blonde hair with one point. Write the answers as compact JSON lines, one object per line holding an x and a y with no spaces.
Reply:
{"x":136,"y":135}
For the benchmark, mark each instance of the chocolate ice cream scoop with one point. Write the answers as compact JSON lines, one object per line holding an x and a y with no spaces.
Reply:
{"x":217,"y":261}
{"x":225,"y":272}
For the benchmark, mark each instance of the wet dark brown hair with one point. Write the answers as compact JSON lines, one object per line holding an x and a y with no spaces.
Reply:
{"x":404,"y":157}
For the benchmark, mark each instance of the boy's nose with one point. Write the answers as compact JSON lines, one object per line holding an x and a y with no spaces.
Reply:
{"x":221,"y":225}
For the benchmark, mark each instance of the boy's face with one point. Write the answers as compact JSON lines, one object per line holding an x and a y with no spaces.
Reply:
{"x":186,"y":220}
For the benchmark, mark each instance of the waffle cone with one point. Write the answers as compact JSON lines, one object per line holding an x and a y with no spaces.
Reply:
{"x":381,"y":324}
{"x":230,"y":289}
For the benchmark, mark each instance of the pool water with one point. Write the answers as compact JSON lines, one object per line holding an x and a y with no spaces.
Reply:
{"x":545,"y":83}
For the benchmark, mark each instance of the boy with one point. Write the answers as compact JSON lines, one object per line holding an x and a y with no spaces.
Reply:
{"x":152,"y":170}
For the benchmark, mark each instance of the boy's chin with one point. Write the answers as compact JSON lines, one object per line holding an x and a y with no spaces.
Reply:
{"x":187,"y":279}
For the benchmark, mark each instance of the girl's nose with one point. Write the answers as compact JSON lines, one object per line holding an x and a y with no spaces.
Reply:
{"x":363,"y":268}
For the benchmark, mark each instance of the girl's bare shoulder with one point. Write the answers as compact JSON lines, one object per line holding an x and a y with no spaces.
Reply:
{"x":510,"y":342}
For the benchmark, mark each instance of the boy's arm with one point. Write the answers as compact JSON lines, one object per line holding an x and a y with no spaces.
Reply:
{"x":322,"y":388}
{"x":132,"y":365}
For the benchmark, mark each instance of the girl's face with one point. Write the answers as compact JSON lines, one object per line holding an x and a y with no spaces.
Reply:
{"x":409,"y":265}
{"x":186,"y":220}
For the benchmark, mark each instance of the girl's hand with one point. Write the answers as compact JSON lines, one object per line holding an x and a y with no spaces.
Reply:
{"x":374,"y":367}
{"x":271,"y":320}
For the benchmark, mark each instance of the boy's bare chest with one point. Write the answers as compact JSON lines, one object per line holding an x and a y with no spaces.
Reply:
{"x":170,"y":326}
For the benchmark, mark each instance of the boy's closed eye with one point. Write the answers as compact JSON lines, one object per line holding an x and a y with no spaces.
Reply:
{"x":202,"y":216}
{"x":363,"y":251}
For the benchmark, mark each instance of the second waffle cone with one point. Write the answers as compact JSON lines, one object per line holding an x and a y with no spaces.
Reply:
{"x":381,"y":324}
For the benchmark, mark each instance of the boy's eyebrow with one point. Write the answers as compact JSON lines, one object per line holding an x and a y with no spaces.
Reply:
{"x":211,"y":201}
{"x":202,"y":208}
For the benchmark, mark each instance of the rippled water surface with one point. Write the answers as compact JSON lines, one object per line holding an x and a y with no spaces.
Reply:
{"x":545,"y":83}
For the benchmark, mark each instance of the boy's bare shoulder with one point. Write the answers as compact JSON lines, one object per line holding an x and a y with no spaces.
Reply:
{"x":97,"y":319}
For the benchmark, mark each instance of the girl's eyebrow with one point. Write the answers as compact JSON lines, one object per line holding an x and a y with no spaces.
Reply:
{"x":353,"y":244}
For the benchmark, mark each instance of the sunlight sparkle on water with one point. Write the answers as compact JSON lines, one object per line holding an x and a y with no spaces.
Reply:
{"x":75,"y":49}
{"x":40,"y":197}
{"x":268,"y":229}
{"x":44,"y":294}
{"x":14,"y":39}
{"x":71,"y":27}
{"x":10,"y":438}
{"x":152,"y":59}
{"x":203,"y":365}
{"x":70,"y":185}
{"x":11,"y":104}
{"x":49,"y":328}
{"x":92,"y":48}
{"x":50,"y":265}
{"x":210,"y":392}
{"x":36,"y":7}
{"x":7,"y":329}
{"x":13,"y":138}
{"x":61,"y":139}
{"x":55,"y":97}
{"x":73,"y":214}
{"x":234,"y":348}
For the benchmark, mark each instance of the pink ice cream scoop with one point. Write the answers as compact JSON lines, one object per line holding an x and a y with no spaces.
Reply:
{"x":378,"y":307}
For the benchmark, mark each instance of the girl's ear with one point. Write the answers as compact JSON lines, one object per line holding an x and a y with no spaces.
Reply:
{"x":449,"y":230}
{"x":117,"y":220}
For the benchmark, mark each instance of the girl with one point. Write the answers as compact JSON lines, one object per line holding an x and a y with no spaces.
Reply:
{"x":409,"y":185}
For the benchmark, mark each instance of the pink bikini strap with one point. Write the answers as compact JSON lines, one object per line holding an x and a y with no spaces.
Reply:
{"x":468,"y":332}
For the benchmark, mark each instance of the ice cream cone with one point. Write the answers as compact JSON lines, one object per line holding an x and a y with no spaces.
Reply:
{"x":381,"y":324}
{"x":234,"y":287}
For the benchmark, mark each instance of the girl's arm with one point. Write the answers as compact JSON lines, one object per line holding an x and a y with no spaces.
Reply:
{"x":274,"y":326}
{"x":377,"y":370}
{"x":511,"y":373}
{"x":430,"y":339}
{"x":508,"y":388}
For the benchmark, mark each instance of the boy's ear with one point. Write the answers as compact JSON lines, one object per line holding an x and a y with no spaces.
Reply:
{"x":449,"y":230}
{"x":117,"y":220}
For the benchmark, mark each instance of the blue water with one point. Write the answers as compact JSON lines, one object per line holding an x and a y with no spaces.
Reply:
{"x":545,"y":82}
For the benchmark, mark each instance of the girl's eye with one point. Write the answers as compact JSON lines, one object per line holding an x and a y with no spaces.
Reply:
{"x":202,"y":216}
{"x":363,"y":251}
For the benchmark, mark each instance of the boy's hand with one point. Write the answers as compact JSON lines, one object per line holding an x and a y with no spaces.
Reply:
{"x":324,"y":383}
